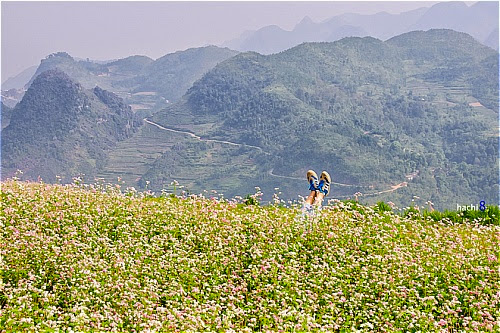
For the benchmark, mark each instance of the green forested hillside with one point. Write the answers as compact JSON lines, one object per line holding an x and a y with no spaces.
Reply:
{"x":421,"y":107}
{"x":453,"y":58}
{"x":61,"y":129}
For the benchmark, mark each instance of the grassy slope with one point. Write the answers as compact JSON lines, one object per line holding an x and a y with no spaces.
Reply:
{"x":192,"y":163}
{"x":90,"y":260}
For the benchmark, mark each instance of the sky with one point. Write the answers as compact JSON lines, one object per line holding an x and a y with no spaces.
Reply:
{"x":111,"y":30}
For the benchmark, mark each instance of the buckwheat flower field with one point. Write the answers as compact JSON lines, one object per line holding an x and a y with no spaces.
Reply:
{"x":77,"y":258}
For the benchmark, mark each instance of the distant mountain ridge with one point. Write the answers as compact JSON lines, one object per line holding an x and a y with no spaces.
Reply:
{"x":171,"y":75}
{"x":479,"y":20}
{"x":19,"y":81}
{"x":145,"y":83}
{"x":134,"y":72}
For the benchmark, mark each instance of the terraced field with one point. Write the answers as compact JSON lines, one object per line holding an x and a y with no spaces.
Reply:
{"x":132,"y":157}
{"x":192,"y":163}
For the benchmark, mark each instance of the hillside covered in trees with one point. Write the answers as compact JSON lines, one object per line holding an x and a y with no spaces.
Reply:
{"x":420,"y":107}
{"x":61,"y":129}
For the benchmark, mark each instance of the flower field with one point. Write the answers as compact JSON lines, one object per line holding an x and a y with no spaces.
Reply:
{"x":84,"y":259}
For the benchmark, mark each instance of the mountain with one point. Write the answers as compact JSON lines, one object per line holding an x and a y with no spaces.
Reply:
{"x":12,"y":96}
{"x":479,"y":20}
{"x":269,"y":39}
{"x":61,"y":129}
{"x":132,"y":64}
{"x":171,"y":75}
{"x":88,"y":73}
{"x":6,"y":113}
{"x":145,"y":84}
{"x":422,"y":106}
{"x":492,"y":39}
{"x":236,"y":43}
{"x":19,"y":81}
{"x":380,"y":25}
{"x":415,"y":115}
{"x":459,"y":60}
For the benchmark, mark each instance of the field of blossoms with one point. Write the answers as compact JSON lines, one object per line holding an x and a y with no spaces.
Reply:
{"x":89,"y":258}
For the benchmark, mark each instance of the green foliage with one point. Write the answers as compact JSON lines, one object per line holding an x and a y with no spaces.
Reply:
{"x":373,"y":112}
{"x":354,"y":206}
{"x":132,"y":64}
{"x":411,"y":212}
{"x":383,"y":207}
{"x":60,"y":129}
{"x":458,"y":58}
{"x":250,"y":199}
{"x":491,"y":215}
{"x":141,"y":81}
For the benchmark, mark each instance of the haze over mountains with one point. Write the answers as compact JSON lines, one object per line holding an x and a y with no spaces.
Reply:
{"x":19,"y":81}
{"x":415,"y":115}
{"x":479,"y":20}
{"x":146,"y":84}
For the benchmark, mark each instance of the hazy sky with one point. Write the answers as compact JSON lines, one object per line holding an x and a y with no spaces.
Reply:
{"x":111,"y":30}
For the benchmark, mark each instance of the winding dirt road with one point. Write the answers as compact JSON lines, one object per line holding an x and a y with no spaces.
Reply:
{"x":194,"y":136}
{"x":206,"y":140}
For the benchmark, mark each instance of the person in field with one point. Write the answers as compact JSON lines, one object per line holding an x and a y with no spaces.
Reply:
{"x":319,"y":188}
